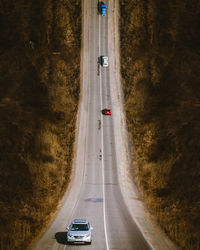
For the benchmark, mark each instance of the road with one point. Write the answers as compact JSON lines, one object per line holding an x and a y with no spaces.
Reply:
{"x":100,"y":199}
{"x":95,"y":192}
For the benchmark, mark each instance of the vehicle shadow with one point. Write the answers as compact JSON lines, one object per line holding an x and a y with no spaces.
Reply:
{"x":99,"y":60}
{"x":61,"y":237}
{"x":103,"y":111}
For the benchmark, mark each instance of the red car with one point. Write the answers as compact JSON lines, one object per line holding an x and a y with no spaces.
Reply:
{"x":106,"y":112}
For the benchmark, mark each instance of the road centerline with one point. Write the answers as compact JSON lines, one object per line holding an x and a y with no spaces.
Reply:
{"x":102,"y":148}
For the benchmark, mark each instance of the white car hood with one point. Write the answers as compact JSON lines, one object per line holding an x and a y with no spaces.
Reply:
{"x":79,"y":233}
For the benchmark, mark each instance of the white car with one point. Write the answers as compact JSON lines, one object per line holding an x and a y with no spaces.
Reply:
{"x":104,"y":61}
{"x":79,"y":231}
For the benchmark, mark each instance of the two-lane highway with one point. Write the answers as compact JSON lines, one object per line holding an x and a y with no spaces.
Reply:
{"x":95,"y":193}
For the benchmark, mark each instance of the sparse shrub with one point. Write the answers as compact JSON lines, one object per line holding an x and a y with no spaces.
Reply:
{"x":160,"y":76}
{"x":39,"y":91}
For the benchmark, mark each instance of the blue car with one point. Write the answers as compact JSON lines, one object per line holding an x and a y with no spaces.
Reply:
{"x":102,"y":8}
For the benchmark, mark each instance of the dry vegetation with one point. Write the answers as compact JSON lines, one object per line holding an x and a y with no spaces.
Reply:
{"x":39,"y":91}
{"x":160,"y":67}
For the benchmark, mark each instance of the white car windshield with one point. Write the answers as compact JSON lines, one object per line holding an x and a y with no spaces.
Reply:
{"x":79,"y":227}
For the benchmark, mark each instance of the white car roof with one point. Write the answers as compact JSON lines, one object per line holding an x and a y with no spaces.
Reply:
{"x":79,"y":221}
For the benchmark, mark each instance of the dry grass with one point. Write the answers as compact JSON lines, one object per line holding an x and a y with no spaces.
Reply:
{"x":39,"y":91}
{"x":160,"y":71}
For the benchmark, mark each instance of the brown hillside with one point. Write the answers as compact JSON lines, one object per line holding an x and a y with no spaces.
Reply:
{"x":160,"y":68}
{"x":39,"y":91}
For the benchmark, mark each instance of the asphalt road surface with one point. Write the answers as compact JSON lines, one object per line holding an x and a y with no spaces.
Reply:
{"x":100,"y":200}
{"x":95,"y":193}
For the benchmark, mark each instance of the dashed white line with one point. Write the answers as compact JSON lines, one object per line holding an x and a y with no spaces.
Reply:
{"x":102,"y":149}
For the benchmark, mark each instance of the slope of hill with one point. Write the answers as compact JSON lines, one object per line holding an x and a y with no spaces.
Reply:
{"x":160,"y":70}
{"x":39,"y":92}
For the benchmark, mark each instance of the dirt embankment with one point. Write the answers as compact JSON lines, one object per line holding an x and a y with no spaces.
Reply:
{"x":160,"y":68}
{"x":39,"y":92}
